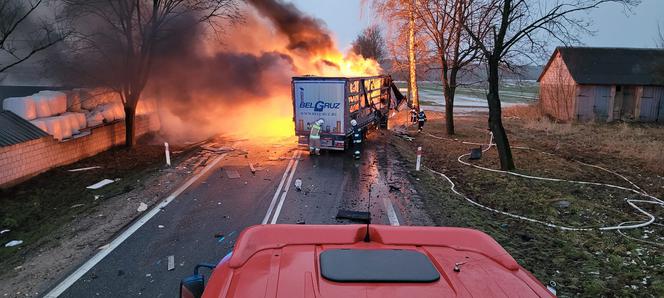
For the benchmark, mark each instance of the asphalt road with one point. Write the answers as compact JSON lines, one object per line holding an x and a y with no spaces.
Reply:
{"x":202,"y":223}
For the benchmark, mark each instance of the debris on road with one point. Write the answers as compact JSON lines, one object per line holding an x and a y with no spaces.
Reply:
{"x":76,"y":206}
{"x":142,"y":207}
{"x":84,"y":169}
{"x":252,"y":168}
{"x":232,"y":174}
{"x":212,"y":147}
{"x":300,"y":222}
{"x":394,"y":188}
{"x":105,"y":246}
{"x":13,"y":243}
{"x":171,"y":263}
{"x":100,"y":184}
{"x":362,"y":216}
{"x":160,"y":226}
{"x":298,"y":184}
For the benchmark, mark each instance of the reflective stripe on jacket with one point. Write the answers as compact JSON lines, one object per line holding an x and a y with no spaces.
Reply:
{"x":422,"y":117}
{"x":315,"y":132}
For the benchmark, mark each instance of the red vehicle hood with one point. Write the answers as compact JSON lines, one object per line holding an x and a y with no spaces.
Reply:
{"x":283,"y":261}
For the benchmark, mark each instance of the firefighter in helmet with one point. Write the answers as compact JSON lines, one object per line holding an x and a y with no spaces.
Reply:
{"x":421,"y":118}
{"x":357,"y":139}
{"x":314,"y":137}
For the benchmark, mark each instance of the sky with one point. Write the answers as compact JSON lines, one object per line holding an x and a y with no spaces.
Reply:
{"x":613,"y":25}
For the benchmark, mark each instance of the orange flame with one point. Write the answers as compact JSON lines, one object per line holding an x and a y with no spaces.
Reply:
{"x":270,"y":116}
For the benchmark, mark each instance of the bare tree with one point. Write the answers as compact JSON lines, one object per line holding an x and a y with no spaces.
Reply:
{"x":412,"y":57}
{"x":505,"y":29}
{"x":370,"y":43}
{"x":400,"y":15}
{"x":117,"y":40}
{"x":23,"y":34}
{"x":660,"y":37}
{"x":442,"y":21}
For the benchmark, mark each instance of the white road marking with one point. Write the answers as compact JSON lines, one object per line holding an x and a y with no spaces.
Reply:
{"x":278,"y":191}
{"x":283,"y":194}
{"x":391,"y":215}
{"x":71,"y":279}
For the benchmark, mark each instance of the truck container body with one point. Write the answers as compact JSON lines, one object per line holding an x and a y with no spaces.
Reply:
{"x":337,"y":100}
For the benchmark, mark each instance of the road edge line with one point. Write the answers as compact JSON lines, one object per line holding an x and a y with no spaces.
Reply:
{"x":94,"y":260}
{"x":276,"y":193}
{"x":283,"y":195}
{"x":391,"y":214}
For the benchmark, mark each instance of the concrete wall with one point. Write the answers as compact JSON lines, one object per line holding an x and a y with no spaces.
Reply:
{"x":22,"y":161}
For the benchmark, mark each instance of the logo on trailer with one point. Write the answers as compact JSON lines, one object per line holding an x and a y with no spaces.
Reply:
{"x":320,"y":105}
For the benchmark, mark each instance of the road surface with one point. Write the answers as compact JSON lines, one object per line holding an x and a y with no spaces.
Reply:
{"x":202,"y":223}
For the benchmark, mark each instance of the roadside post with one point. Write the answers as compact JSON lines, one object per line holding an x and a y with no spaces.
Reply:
{"x":419,"y":159}
{"x":168,"y":154}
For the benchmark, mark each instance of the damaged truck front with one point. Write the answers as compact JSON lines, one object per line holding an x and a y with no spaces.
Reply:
{"x":338,"y":100}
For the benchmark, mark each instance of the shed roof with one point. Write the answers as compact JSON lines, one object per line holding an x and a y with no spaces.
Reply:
{"x":612,"y":66}
{"x":15,"y":130}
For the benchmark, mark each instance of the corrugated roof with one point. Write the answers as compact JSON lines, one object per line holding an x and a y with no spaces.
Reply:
{"x":613,"y":66}
{"x":15,"y":130}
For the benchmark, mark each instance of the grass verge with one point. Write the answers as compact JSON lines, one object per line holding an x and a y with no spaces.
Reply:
{"x":582,"y":263}
{"x":35,"y":209}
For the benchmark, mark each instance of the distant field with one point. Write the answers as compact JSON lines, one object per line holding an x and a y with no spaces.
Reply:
{"x":510,"y":91}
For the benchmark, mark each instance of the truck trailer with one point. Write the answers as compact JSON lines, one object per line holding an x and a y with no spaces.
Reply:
{"x":338,"y":100}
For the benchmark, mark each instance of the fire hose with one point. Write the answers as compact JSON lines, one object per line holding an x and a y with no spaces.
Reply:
{"x":622,"y":226}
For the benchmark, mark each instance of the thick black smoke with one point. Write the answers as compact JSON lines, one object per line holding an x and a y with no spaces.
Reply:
{"x":305,"y":33}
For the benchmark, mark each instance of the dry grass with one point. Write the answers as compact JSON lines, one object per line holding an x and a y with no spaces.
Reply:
{"x":642,"y":143}
{"x":588,"y":264}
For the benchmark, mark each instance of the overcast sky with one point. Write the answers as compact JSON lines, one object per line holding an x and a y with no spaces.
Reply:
{"x":614,"y":26}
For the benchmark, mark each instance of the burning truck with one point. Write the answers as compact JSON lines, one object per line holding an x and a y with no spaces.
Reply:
{"x":338,"y":100}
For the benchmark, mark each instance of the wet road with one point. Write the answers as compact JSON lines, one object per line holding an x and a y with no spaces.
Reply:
{"x":203,"y":222}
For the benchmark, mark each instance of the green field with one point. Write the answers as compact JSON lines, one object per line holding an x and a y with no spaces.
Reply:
{"x":512,"y":92}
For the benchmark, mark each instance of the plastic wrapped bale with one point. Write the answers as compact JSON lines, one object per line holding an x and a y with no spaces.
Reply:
{"x":92,"y":99}
{"x":82,"y":122}
{"x":73,"y":100}
{"x":73,"y":122}
{"x":108,"y":111}
{"x":57,"y":101}
{"x":22,"y":106}
{"x":40,"y":123}
{"x":119,"y":111}
{"x":54,"y":127}
{"x":94,"y":118}
{"x":41,"y":106}
{"x":66,"y":127}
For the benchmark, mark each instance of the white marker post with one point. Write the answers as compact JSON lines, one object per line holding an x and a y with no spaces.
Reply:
{"x":168,"y":155}
{"x":419,"y":159}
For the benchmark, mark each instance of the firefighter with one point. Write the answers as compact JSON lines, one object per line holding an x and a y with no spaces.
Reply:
{"x":421,"y":118}
{"x":357,"y":139}
{"x":413,"y":115}
{"x":314,"y":137}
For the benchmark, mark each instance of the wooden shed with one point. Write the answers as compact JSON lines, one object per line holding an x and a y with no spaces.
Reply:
{"x":604,"y":84}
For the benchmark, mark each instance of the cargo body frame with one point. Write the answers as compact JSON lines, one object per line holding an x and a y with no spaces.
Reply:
{"x":368,"y":100}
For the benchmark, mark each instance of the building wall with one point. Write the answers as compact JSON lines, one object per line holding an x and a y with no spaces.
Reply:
{"x":558,"y":91}
{"x":22,"y":161}
{"x":563,"y":99}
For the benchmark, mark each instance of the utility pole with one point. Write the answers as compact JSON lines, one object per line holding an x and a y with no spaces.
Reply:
{"x":412,"y":62}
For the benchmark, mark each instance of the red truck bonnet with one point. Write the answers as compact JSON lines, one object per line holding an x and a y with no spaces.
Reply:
{"x":285,"y":261}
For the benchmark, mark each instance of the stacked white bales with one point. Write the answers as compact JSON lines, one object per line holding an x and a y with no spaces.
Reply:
{"x":22,"y":106}
{"x":48,"y":111}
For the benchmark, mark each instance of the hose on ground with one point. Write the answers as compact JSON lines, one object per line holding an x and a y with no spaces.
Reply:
{"x":622,"y":226}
